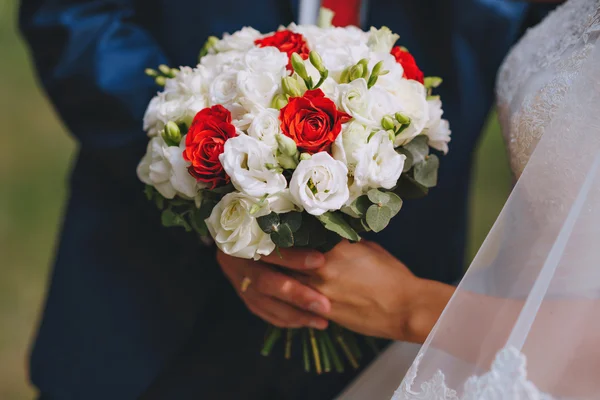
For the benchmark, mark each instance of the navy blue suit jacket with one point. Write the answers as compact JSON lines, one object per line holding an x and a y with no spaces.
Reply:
{"x":135,"y":310}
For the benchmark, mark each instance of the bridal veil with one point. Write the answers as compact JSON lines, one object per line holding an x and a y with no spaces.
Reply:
{"x":524,"y":323}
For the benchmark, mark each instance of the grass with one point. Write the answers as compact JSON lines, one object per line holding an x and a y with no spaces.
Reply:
{"x":35,"y":151}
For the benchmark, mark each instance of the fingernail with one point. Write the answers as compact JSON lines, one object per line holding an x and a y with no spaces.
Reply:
{"x":313,"y":260}
{"x":316,"y":307}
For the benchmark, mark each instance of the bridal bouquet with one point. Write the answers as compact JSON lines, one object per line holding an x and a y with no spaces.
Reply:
{"x":296,"y":138}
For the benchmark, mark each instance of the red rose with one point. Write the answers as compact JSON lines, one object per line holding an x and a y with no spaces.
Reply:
{"x":313,"y":121}
{"x":411,"y":70}
{"x":204,"y":143}
{"x":286,"y":42}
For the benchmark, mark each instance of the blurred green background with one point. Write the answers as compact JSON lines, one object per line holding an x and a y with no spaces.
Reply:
{"x":35,"y":151}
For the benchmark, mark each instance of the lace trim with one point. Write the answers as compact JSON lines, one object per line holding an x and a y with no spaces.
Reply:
{"x":506,"y":380}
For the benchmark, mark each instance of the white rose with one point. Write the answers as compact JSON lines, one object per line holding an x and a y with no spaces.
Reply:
{"x":217,"y":63}
{"x":392,"y":80}
{"x":355,"y":100}
{"x":164,"y":168}
{"x":223,"y":89}
{"x":382,"y":103}
{"x":382,"y":40}
{"x":412,"y":101}
{"x":265,"y":127}
{"x":174,"y":107}
{"x":267,"y":60}
{"x":187,"y":82}
{"x":337,"y":59}
{"x":320,"y":184}
{"x":378,"y":164}
{"x":353,"y":137}
{"x":437,"y":129}
{"x":245,"y":160}
{"x":256,"y":90}
{"x":241,"y":40}
{"x":235,"y":230}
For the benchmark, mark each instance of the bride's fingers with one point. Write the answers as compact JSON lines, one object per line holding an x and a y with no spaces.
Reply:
{"x":281,"y":314}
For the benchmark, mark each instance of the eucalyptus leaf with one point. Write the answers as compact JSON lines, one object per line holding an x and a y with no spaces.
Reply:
{"x":376,"y":196}
{"x":302,"y":236}
{"x":335,"y":222}
{"x":408,"y":188}
{"x":426,"y":172}
{"x":408,"y":162}
{"x":378,"y":217}
{"x":283,"y":236}
{"x":360,"y":205}
{"x":292,"y":219}
{"x":269,"y":223}
{"x":395,"y":203}
{"x":419,"y":148}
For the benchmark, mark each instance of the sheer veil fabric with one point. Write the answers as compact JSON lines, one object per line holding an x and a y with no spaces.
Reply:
{"x":524,"y":323}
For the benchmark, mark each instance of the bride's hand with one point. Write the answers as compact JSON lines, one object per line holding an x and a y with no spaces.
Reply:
{"x":371,"y":292}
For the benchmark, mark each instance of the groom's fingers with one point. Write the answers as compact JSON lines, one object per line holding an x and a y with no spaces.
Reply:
{"x":289,"y":290}
{"x":265,"y":280}
{"x":296,"y":259}
{"x":281,"y":314}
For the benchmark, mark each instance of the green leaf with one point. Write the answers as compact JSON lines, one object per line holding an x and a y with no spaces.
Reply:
{"x":408,"y":188}
{"x":408,"y":162}
{"x":395,"y":203}
{"x":199,"y":215}
{"x":223,"y":189}
{"x":359,"y":225}
{"x":418,"y":148}
{"x":292,"y":219}
{"x":169,"y":218}
{"x":360,"y":205}
{"x":378,"y":217}
{"x":159,"y":200}
{"x":426,"y":172}
{"x":335,"y":222}
{"x":283,"y":236}
{"x":378,"y":197}
{"x":302,"y":236}
{"x":269,"y":223}
{"x":149,"y":192}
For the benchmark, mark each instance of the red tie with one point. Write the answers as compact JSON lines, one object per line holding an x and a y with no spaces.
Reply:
{"x":347,"y":12}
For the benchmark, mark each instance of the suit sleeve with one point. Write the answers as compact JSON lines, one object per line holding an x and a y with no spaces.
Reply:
{"x":90,"y":56}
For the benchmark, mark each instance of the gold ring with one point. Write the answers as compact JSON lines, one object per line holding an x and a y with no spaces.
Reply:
{"x":245,"y":284}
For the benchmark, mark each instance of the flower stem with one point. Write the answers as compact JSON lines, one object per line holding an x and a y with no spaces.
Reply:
{"x":288,"y":344}
{"x":372,"y":343}
{"x":273,"y":334}
{"x":352,"y":343}
{"x":337,"y":362}
{"x":305,"y":350}
{"x":340,"y":339}
{"x":324,"y":352}
{"x":315,"y":349}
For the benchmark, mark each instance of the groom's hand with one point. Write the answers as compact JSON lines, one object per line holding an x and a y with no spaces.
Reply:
{"x":274,"y":296}
{"x":371,"y":292}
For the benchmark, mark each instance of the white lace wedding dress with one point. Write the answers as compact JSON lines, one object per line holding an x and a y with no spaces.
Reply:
{"x":524,"y":323}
